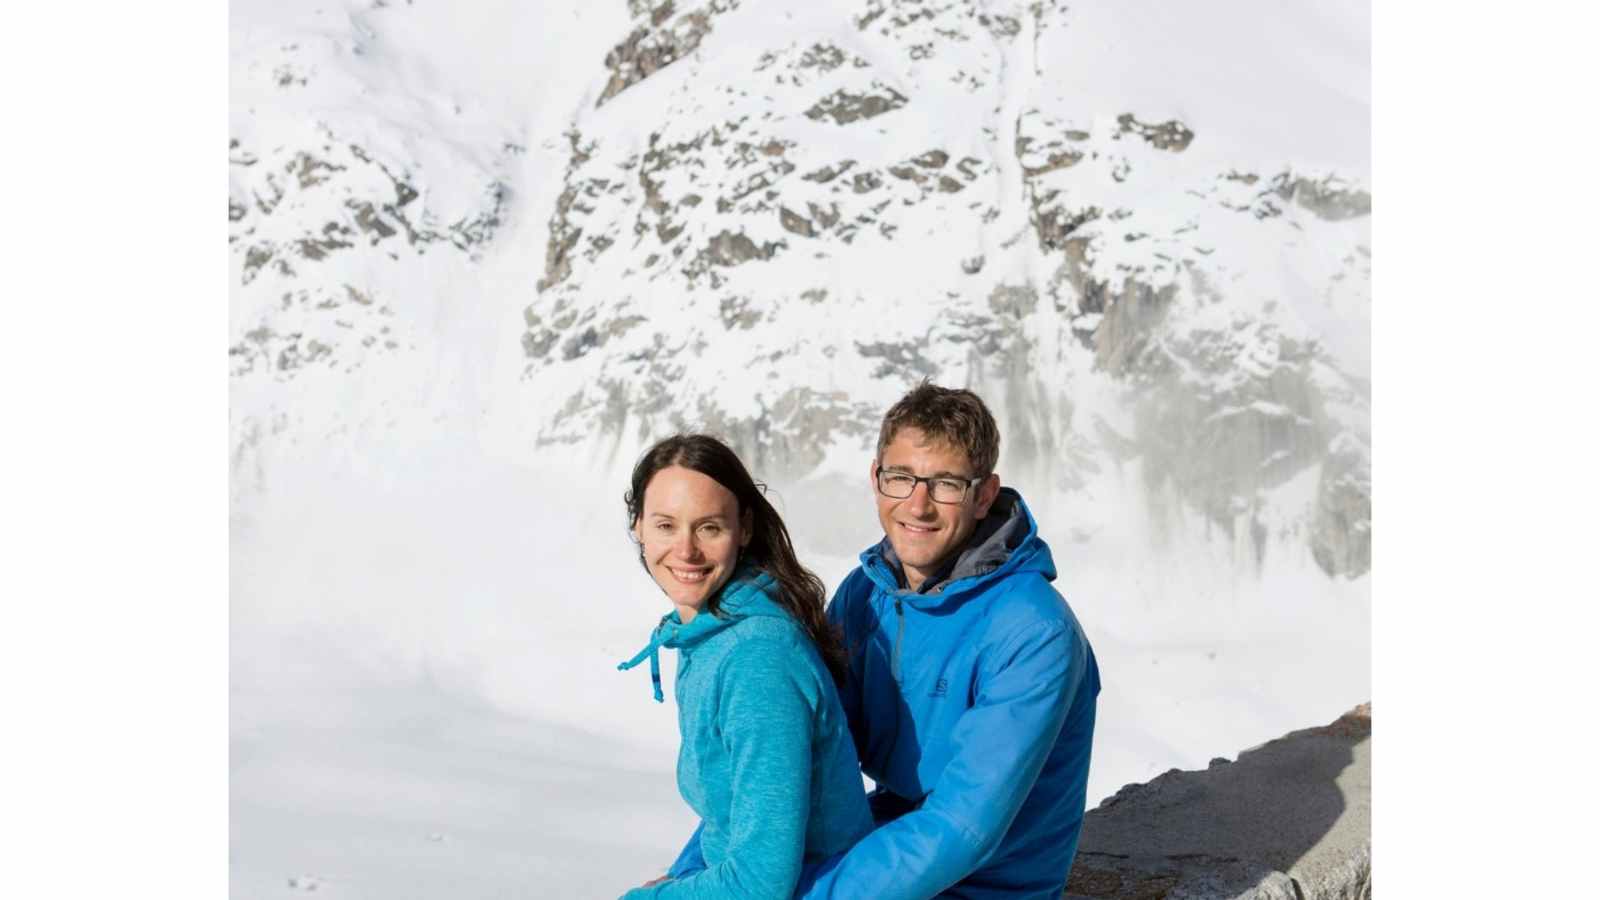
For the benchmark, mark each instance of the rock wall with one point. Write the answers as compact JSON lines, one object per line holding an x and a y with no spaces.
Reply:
{"x":1288,"y":820}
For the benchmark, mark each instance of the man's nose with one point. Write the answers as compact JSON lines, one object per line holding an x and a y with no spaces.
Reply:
{"x":920,"y":503}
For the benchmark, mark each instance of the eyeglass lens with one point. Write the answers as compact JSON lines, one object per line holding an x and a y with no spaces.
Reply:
{"x":898,"y":485}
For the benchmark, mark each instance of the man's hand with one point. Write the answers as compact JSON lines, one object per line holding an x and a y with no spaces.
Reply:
{"x":656,"y":880}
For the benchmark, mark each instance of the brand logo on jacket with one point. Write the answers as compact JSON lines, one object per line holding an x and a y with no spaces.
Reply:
{"x":941,"y":688}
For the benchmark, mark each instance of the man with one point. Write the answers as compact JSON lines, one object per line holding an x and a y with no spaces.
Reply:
{"x":971,"y":692}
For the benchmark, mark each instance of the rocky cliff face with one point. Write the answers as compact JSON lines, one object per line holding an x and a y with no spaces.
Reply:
{"x":293,"y":207}
{"x":355,"y":201}
{"x":901,"y":190}
{"x":773,"y":218}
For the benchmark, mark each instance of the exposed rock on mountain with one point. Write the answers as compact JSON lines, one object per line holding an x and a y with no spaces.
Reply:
{"x":290,"y":209}
{"x":770,"y":221}
{"x":339,"y":195}
{"x":663,"y":38}
{"x":894,"y":168}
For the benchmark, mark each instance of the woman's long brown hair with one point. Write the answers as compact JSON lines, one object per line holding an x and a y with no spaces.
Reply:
{"x":800,"y":592}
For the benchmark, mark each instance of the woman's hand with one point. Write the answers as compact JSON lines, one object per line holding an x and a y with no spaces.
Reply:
{"x":656,"y":880}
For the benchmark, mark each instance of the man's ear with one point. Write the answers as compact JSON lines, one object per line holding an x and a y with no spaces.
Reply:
{"x":872,"y":474}
{"x":988,"y":490}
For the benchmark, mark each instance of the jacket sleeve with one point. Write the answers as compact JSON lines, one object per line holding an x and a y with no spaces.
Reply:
{"x":765,"y":717}
{"x":1000,"y":746}
{"x":689,"y":859}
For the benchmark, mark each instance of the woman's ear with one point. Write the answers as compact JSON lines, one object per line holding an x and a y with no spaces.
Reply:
{"x":746,"y":528}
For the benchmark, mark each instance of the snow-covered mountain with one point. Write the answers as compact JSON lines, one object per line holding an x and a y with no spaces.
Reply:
{"x":773,"y":217}
{"x":483,"y":253}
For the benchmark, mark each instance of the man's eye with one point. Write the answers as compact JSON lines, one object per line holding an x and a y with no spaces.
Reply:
{"x":899,"y":480}
{"x":949,"y":484}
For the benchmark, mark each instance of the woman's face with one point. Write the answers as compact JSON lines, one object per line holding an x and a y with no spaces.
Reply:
{"x":691,"y":536}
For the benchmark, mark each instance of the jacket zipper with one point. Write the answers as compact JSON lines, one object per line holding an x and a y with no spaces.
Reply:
{"x":899,"y":636}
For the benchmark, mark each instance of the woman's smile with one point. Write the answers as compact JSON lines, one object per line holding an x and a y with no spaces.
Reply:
{"x":692,"y":576}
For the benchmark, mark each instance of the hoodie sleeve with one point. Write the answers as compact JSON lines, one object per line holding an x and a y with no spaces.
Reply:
{"x":1001,"y":745}
{"x":765,"y":717}
{"x":689,"y":859}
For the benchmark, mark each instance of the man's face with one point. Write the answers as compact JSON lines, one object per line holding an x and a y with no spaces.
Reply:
{"x":923,"y":533}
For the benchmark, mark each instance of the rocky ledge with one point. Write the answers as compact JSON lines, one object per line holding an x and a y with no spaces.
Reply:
{"x":1288,"y":820}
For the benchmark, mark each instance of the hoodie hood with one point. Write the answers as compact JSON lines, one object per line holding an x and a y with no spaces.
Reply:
{"x":1004,"y":541}
{"x":749,"y":593}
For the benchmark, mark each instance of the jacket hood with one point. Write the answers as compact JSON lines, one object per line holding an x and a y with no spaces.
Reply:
{"x":1005,"y":542}
{"x":748,"y":594}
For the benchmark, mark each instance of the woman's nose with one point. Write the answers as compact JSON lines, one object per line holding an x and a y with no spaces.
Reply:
{"x":686,"y":547}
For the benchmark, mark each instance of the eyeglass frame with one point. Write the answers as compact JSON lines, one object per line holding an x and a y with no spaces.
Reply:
{"x":966,"y":489}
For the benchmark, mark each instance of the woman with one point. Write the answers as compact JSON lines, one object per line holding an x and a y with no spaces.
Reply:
{"x":766,"y":758}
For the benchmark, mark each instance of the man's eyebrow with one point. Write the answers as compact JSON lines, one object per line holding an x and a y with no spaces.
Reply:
{"x":906,"y":470}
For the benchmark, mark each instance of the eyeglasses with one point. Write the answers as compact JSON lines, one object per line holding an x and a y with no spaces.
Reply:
{"x":941,"y":488}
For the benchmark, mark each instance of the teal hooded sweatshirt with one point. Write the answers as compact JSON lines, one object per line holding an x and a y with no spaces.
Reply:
{"x":766,"y":758}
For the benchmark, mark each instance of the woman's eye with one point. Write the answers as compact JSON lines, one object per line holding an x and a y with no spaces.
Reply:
{"x":711,"y":529}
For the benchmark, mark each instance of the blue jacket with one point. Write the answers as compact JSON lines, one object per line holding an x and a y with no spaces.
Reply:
{"x":766,"y":759}
{"x":972,"y":704}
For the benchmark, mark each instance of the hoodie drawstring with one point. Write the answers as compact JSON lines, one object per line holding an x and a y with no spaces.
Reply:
{"x":652,"y":651}
{"x":673,"y":632}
